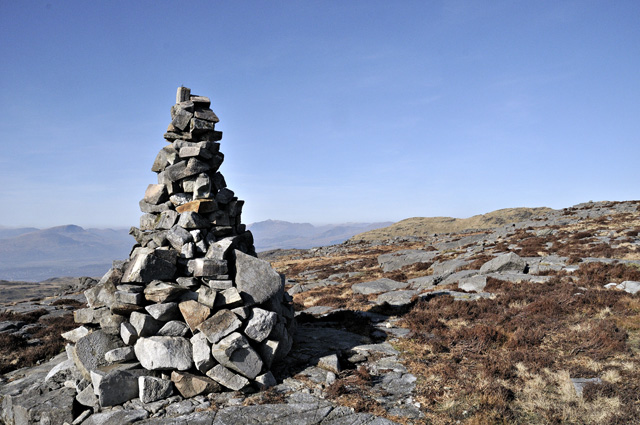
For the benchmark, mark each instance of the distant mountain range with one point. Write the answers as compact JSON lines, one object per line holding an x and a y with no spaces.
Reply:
{"x":33,"y":255}
{"x":275,"y":234}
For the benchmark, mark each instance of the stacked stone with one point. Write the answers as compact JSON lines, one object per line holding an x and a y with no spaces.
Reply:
{"x":192,"y":308}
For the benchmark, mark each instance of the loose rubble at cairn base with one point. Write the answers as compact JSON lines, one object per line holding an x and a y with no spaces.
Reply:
{"x":531,"y":322}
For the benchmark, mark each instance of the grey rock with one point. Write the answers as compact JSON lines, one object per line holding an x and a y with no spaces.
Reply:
{"x":397,"y":298}
{"x":190,"y":385}
{"x":422,"y":283}
{"x":207,"y":267}
{"x":87,"y":397}
{"x":260,"y":324}
{"x":194,"y":313}
{"x":227,"y":378}
{"x":178,"y":237}
{"x":173,"y":328}
{"x":219,"y":285}
{"x":122,"y":354}
{"x":219,"y":325}
{"x":473,"y":284}
{"x":378,"y":286}
{"x":89,"y":351}
{"x":447,"y":268}
{"x":164,"y":352}
{"x":180,"y":198}
{"x":193,"y":151}
{"x":291,"y":413}
{"x":165,"y":157}
{"x":152,"y":389}
{"x":161,"y":292}
{"x":188,"y":250}
{"x":61,"y":372}
{"x":52,"y":407}
{"x":156,"y":194}
{"x":202,"y":358}
{"x":629,"y":286}
{"x":75,"y":334}
{"x":399,"y":259}
{"x":129,"y":297}
{"x":144,"y":324}
{"x":202,"y":187}
{"x":128,"y":333}
{"x":182,"y":169}
{"x":166,"y":220}
{"x":457,"y":276}
{"x":330,"y":363}
{"x":120,"y":417}
{"x":235,"y":353}
{"x":181,"y":118}
{"x":164,"y":312}
{"x":580,"y":383}
{"x":505,"y":263}
{"x":224,"y":196}
{"x":103,"y":294}
{"x":147,"y":266}
{"x":200,"y":126}
{"x":255,"y":279}
{"x":229,"y":298}
{"x":207,"y":296}
{"x":266,"y":380}
{"x":145,"y":207}
{"x":193,"y":220}
{"x":118,"y":386}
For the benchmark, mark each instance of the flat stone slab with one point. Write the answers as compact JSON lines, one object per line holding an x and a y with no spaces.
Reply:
{"x":378,"y":286}
{"x":399,"y":259}
{"x":397,"y":298}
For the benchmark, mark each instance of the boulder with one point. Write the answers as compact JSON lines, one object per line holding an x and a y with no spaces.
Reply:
{"x":201,"y":348}
{"x":505,"y":263}
{"x":473,"y":283}
{"x":164,"y":352}
{"x":399,"y":259}
{"x":235,"y":353}
{"x":219,"y":325}
{"x":377,"y":286}
{"x":162,"y":292}
{"x":227,"y":379}
{"x":256,"y":280}
{"x":260,"y":324}
{"x":173,"y":328}
{"x":152,"y":389}
{"x":89,"y":351}
{"x":190,"y":385}
{"x":194,"y":313}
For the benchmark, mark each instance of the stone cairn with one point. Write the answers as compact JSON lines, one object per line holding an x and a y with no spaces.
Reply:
{"x":193,"y":309}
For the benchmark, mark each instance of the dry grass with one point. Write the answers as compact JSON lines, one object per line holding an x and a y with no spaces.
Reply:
{"x":510,"y":359}
{"x":16,"y":352}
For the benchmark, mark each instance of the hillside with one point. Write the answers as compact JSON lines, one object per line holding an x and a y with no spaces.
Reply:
{"x":533,"y":322}
{"x":427,"y":226}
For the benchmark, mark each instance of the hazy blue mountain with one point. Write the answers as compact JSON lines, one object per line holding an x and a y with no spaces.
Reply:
{"x":274,"y":234}
{"x":34,"y":255}
{"x":39,"y":254}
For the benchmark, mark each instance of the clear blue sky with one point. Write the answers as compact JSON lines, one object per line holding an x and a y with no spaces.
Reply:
{"x":332,"y":111}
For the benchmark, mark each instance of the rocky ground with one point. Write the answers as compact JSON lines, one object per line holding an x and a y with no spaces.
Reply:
{"x":532,"y":322}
